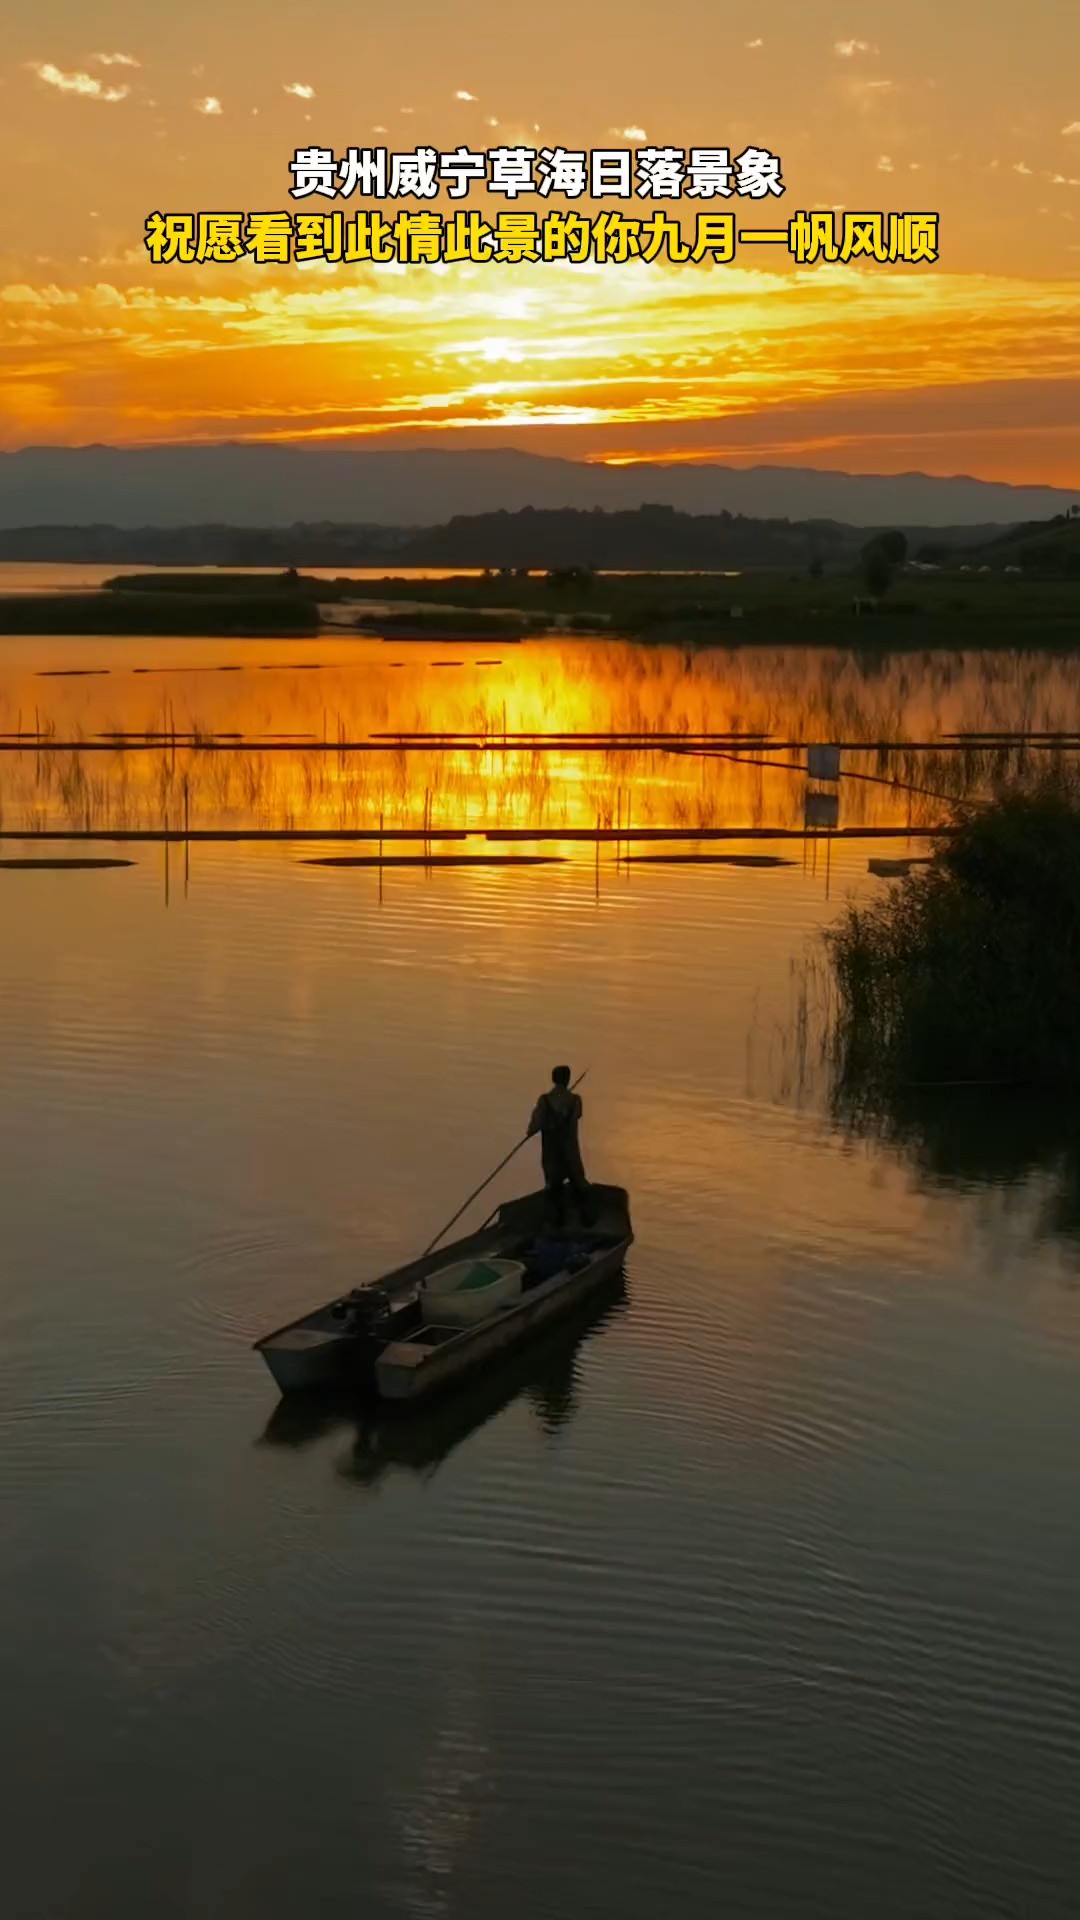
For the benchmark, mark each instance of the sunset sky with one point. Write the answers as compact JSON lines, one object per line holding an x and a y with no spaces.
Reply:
{"x":968,"y":110}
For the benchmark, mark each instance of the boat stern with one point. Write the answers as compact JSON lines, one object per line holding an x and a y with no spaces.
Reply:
{"x":399,"y":1368}
{"x":303,"y":1357}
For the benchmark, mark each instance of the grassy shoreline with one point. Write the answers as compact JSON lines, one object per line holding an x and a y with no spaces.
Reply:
{"x":920,"y":612}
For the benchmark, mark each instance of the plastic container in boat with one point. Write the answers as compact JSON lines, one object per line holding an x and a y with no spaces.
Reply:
{"x":469,"y":1291}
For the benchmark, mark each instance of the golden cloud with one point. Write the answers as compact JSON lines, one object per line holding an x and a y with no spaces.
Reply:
{"x":396,"y":349}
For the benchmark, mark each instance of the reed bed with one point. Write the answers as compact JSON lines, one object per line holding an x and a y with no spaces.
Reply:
{"x":966,"y":970}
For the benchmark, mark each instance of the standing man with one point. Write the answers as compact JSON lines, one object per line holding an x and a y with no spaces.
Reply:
{"x":555,"y":1118}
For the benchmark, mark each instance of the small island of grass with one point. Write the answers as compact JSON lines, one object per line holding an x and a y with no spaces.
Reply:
{"x":150,"y":611}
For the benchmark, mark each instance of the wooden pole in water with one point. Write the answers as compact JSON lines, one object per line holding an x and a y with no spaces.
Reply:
{"x":443,"y":1231}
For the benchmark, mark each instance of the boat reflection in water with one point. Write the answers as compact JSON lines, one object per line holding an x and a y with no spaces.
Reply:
{"x":546,"y":1372}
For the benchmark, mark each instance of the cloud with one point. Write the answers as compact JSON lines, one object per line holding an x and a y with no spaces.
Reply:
{"x":301,"y":91}
{"x":210,"y":106}
{"x":865,"y":93}
{"x":115,"y":59}
{"x":631,"y":133}
{"x":81,"y":83}
{"x":676,"y":337}
{"x":1020,"y":166}
{"x":1073,"y":127}
{"x":1063,"y":180}
{"x":885,"y":165}
{"x":847,"y":49}
{"x":755,"y":43}
{"x":464,"y":94}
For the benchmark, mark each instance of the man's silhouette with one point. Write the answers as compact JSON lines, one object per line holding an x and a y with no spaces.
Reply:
{"x":555,"y":1118}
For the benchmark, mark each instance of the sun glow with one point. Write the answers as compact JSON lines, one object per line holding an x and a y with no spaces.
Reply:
{"x":644,"y":349}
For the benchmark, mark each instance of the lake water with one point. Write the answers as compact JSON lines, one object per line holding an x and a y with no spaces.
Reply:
{"x":756,"y":1594}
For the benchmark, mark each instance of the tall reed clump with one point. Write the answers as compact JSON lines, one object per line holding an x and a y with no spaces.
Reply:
{"x":969,"y":969}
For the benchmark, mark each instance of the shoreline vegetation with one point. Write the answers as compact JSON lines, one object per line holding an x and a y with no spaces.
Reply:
{"x":964,"y":973}
{"x":913,"y":612}
{"x":1020,"y":589}
{"x":218,"y":615}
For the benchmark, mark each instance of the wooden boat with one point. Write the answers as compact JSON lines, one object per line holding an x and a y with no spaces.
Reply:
{"x":380,"y":1337}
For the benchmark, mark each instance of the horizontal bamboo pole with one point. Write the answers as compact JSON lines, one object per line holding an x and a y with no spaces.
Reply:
{"x":738,"y":746}
{"x":537,"y":835}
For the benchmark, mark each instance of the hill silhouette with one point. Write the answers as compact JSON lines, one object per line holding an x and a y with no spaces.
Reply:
{"x":276,"y":486}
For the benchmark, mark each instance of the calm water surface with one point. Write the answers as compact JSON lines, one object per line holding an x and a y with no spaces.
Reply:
{"x":756,"y":1594}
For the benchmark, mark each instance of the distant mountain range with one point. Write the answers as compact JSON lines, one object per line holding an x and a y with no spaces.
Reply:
{"x":277,"y":486}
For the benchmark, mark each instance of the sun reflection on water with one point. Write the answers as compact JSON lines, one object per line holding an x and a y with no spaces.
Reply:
{"x":246,"y":739}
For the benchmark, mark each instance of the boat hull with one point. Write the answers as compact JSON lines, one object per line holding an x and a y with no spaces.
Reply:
{"x":412,"y":1371}
{"x":300,"y":1368}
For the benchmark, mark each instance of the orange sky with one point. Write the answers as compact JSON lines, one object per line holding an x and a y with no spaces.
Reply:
{"x":970,"y":111}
